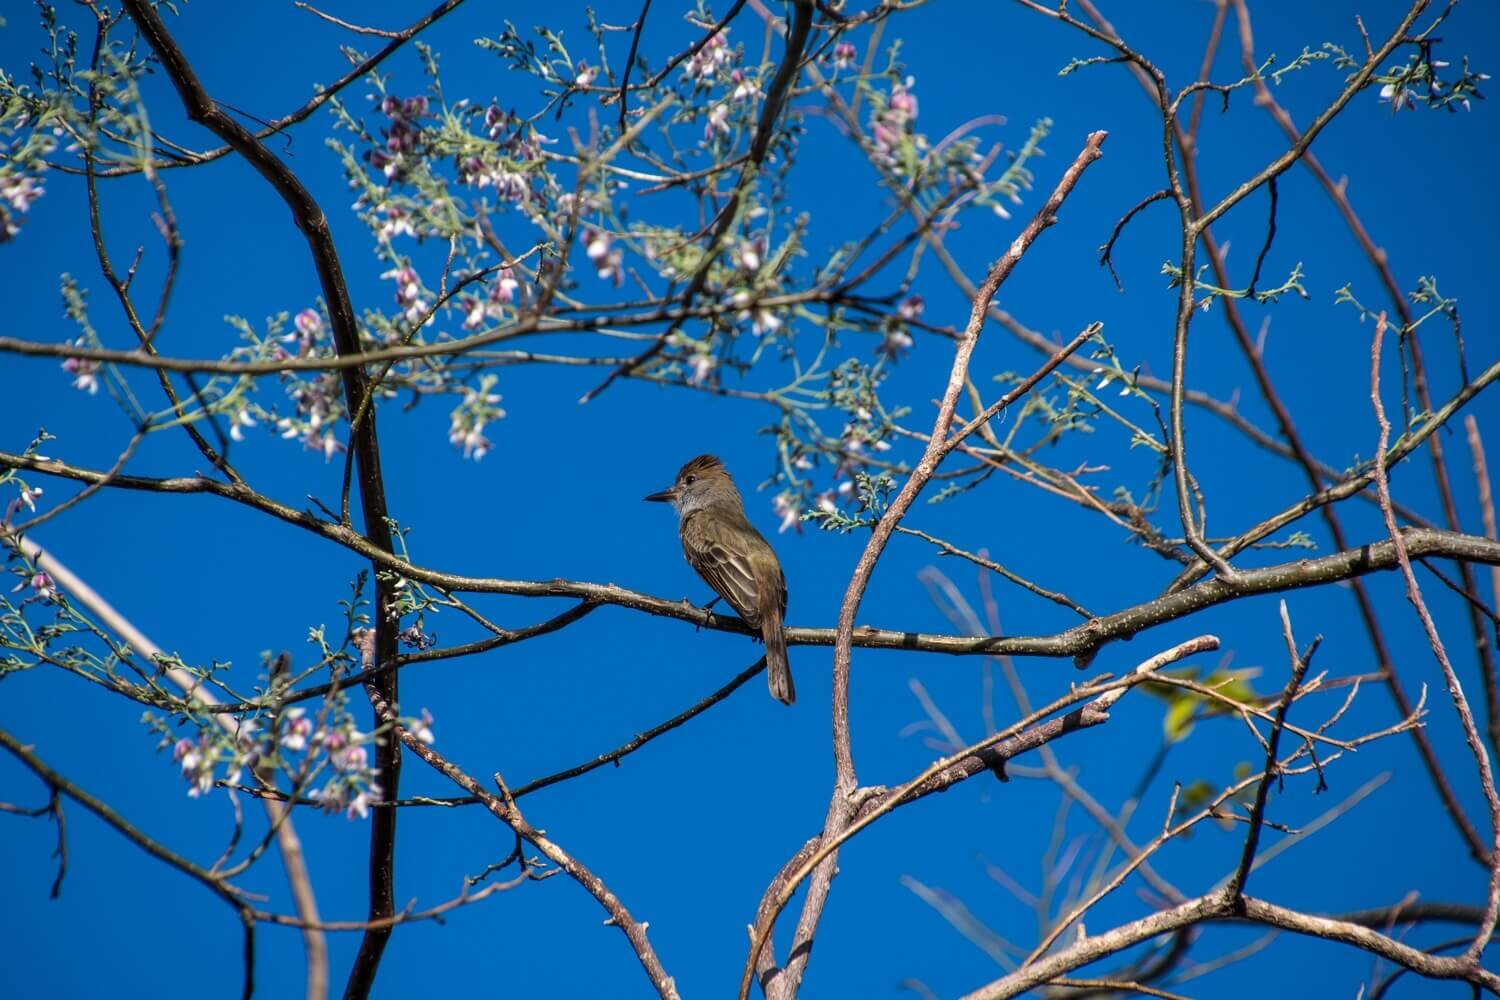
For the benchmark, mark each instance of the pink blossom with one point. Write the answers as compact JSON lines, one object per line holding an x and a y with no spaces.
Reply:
{"x":504,"y":290}
{"x":714,"y":54}
{"x":607,"y":262}
{"x":408,"y":283}
{"x":474,"y":312}
{"x":718,"y":121}
{"x":745,"y":88}
{"x":21,"y":192}
{"x":421,"y":729}
{"x":43,"y":587}
{"x":785,"y":509}
{"x":596,"y":245}
{"x":844,"y":54}
{"x":895,"y":343}
{"x":353,"y":758}
{"x":889,"y":125}
{"x":417,"y":313}
{"x":243,"y":420}
{"x":390,"y":167}
{"x":397,"y":222}
{"x":470,"y":438}
{"x":764,"y":321}
{"x":296,"y":730}
{"x":84,"y":371}
{"x":750,"y":252}
{"x":702,"y":365}
{"x":359,"y":806}
{"x":495,"y":121}
{"x":904,"y":102}
{"x":309,"y":323}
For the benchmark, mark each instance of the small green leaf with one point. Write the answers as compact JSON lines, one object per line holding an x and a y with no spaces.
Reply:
{"x":1178,"y":722}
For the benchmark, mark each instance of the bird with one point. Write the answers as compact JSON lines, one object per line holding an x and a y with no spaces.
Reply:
{"x":733,"y":558}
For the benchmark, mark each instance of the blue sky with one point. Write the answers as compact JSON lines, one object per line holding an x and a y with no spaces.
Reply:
{"x":689,"y":830}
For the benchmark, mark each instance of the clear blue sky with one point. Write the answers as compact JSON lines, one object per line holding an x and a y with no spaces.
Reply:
{"x":689,"y":831}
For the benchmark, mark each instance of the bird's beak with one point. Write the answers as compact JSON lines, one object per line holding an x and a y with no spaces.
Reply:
{"x":665,"y":496}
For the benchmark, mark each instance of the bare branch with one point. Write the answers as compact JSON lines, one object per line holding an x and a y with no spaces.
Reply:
{"x":1455,"y":689}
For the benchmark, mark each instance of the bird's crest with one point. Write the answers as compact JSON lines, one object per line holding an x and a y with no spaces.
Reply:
{"x":700,"y":465}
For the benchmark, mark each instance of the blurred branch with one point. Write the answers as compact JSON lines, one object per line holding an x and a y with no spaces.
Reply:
{"x":288,"y":843}
{"x":230,"y":895}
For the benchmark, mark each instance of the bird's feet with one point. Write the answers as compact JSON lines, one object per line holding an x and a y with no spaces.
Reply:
{"x":706,"y":609}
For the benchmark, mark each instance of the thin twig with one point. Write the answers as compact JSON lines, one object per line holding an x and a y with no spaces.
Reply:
{"x":1455,"y":689}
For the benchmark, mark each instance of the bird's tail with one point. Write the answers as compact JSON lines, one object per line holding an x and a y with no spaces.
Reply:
{"x":778,"y":670}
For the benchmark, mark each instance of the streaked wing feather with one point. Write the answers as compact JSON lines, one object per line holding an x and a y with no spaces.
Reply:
{"x":714,"y":548}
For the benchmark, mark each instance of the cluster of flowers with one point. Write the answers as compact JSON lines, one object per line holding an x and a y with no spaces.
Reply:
{"x":85,"y":371}
{"x":40,"y":583}
{"x":852,"y":389}
{"x":409,"y":298}
{"x":341,"y":750}
{"x":745,"y":89}
{"x":43,"y":588}
{"x":21,"y":164}
{"x":478,"y":309}
{"x":26,"y":498}
{"x":319,"y":399}
{"x":505,"y":168}
{"x":17,"y":194}
{"x":891,"y":122}
{"x":709,"y":61}
{"x":480,"y":406}
{"x":895,"y":338}
{"x":1418,"y":83}
{"x":748,"y":259}
{"x":401,"y":135}
{"x":607,"y":260}
{"x":788,"y":504}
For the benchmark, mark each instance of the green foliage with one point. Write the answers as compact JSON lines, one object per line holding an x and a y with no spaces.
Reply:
{"x":1186,"y":707}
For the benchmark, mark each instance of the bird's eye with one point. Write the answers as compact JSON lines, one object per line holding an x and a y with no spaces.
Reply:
{"x":689,"y":479}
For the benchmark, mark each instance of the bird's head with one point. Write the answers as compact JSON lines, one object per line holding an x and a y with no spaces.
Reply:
{"x":701,"y":483}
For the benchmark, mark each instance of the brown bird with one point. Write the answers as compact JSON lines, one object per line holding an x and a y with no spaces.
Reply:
{"x":733,"y":558}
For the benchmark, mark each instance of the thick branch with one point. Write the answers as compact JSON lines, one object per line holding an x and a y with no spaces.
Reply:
{"x":1081,"y":641}
{"x":1220,"y":905}
{"x":310,"y":219}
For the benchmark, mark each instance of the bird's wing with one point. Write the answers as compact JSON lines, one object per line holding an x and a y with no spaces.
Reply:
{"x":720,"y":551}
{"x":780,"y":585}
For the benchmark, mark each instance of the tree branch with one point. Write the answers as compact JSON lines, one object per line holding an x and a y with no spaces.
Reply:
{"x":309,"y":217}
